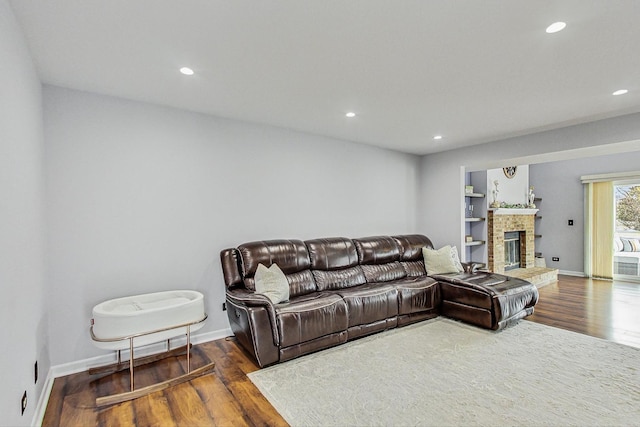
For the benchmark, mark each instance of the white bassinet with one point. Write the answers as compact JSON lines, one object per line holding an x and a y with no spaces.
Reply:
{"x":114,"y":321}
{"x":125,"y":323}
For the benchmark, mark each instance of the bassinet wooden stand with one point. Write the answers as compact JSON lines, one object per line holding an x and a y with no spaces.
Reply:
{"x":120,"y":366}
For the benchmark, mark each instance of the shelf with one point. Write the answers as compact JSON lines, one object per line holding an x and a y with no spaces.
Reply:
{"x":475,"y":243}
{"x":474,"y":219}
{"x":473,"y":195}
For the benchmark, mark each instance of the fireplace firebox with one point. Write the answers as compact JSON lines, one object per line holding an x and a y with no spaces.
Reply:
{"x":511,"y":250}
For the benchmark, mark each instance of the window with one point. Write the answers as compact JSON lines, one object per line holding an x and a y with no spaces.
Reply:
{"x":626,"y":257}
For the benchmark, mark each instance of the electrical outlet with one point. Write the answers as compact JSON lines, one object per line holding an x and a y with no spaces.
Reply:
{"x":555,"y":258}
{"x":23,"y":402}
{"x":224,"y":306}
{"x":35,"y":372}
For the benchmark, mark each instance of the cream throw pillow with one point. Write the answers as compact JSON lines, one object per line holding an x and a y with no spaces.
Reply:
{"x":272,"y":283}
{"x":440,"y":261}
{"x":456,"y":259}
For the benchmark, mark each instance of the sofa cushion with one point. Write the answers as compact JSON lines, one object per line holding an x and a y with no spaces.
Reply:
{"x":339,"y":279}
{"x":617,"y":244}
{"x":290,"y":255}
{"x":370,"y":303}
{"x":272,"y":283}
{"x":439,"y":261}
{"x":383,"y":272}
{"x":411,"y":257}
{"x":334,"y":262}
{"x":414,"y":268}
{"x":301,"y":283}
{"x":416,"y":294}
{"x":377,"y":250}
{"x":411,"y":246}
{"x":310,"y":316}
{"x":334,"y":253}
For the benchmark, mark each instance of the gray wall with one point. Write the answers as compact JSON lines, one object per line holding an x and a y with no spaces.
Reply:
{"x":558,"y":183}
{"x":441,"y":203}
{"x":142,"y":198}
{"x":23,"y":314}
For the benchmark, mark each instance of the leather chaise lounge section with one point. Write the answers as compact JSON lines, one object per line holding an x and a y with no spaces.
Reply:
{"x":342,"y":289}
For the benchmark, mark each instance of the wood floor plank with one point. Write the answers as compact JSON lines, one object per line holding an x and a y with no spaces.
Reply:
{"x":154,"y":408}
{"x":604,"y":309}
{"x":183,"y":399}
{"x":255,"y":405}
{"x":222,"y":406}
{"x":121,"y":414}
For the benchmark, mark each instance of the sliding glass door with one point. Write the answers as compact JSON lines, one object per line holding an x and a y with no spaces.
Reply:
{"x":626,"y":255}
{"x":612,"y":226}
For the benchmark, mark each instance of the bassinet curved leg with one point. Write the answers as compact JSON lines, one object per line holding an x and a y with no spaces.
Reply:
{"x":134,"y":394}
{"x":130,"y":395}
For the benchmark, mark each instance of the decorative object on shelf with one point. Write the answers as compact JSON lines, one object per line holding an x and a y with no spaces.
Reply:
{"x":510,"y":171}
{"x":470,"y":211}
{"x":532,"y":198}
{"x":495,"y":203}
{"x":468,"y":239}
{"x":505,"y":205}
{"x":468,"y":189}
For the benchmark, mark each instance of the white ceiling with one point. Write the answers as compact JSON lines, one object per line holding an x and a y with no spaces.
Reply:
{"x":473,"y":71}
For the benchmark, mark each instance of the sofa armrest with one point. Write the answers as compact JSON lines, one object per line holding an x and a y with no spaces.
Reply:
{"x":246,"y":298}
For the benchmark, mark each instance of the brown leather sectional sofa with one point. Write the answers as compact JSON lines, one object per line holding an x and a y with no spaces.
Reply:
{"x":342,"y":289}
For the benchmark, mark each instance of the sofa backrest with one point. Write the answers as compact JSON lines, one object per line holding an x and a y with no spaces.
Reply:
{"x":290,"y":255}
{"x":411,"y":257}
{"x":379,"y":258}
{"x":334,"y":263}
{"x":329,"y":263}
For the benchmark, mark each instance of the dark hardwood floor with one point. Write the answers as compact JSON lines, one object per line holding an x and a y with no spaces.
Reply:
{"x":600,"y":308}
{"x":609,"y":310}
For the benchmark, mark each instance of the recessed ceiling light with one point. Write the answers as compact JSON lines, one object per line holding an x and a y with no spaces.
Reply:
{"x":350,"y":114}
{"x":620,"y":92}
{"x":437,"y":137}
{"x":555,"y":27}
{"x":186,"y":71}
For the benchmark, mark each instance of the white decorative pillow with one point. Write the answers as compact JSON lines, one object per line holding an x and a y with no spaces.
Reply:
{"x":440,"y":261}
{"x":272,"y":283}
{"x":456,"y":259}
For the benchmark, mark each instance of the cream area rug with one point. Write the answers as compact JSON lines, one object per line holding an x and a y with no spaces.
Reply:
{"x":445,"y":373}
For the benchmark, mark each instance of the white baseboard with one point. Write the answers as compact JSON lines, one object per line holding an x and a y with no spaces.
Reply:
{"x":84,"y":364}
{"x":41,"y":407}
{"x":572,"y":273}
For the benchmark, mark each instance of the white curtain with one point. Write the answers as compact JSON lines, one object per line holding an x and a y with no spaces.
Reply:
{"x":602,"y":229}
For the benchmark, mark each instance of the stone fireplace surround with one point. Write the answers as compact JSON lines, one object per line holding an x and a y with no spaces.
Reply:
{"x":500,"y":221}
